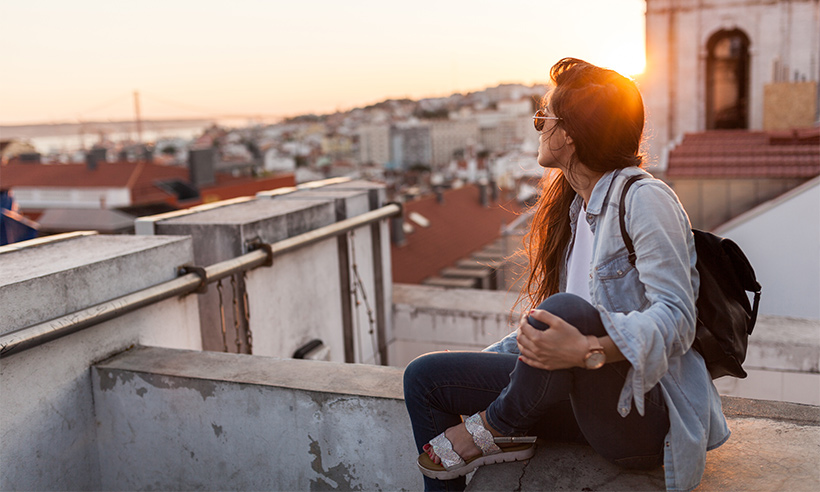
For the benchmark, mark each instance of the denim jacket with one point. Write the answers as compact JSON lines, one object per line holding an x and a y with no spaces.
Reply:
{"x":649,"y":312}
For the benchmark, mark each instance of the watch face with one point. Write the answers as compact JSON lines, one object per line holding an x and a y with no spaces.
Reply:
{"x":595,"y":360}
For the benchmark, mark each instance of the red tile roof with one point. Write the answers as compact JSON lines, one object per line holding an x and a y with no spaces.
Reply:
{"x":108,"y":175}
{"x":747,"y":154}
{"x":140,"y":177}
{"x":458,"y":227}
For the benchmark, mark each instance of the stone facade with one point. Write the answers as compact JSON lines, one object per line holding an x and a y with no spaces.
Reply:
{"x":774,"y":41}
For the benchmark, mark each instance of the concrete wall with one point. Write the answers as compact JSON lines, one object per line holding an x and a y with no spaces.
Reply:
{"x":712,"y":202}
{"x":307,"y":294}
{"x":781,"y":238}
{"x":180,"y":420}
{"x":221,"y":233}
{"x":783,"y":358}
{"x":427,"y":319}
{"x":47,"y":419}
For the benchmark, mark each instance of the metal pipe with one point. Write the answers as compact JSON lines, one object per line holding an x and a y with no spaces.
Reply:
{"x":331,"y":230}
{"x":32,"y":336}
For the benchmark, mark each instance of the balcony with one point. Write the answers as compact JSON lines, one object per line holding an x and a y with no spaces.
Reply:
{"x":165,"y":361}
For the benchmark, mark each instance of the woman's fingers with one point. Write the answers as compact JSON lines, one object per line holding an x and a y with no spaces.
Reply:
{"x":554,"y":348}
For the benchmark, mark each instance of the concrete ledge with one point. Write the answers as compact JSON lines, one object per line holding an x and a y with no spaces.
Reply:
{"x":185,"y":420}
{"x":319,"y":376}
{"x":49,"y":279}
{"x":774,"y":447}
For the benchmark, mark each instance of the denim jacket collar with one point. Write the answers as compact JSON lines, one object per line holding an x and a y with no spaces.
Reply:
{"x":600,"y":192}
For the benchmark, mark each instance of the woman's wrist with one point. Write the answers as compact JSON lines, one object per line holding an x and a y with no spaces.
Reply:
{"x":595,"y":357}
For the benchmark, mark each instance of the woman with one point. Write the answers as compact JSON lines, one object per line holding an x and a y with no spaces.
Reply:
{"x":606,"y":358}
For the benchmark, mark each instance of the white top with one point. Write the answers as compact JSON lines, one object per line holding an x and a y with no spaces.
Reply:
{"x":580,"y":259}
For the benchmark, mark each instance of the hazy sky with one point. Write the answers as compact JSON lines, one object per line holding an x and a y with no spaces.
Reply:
{"x":70,"y":60}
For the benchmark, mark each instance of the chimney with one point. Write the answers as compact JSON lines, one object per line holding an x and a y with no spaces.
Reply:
{"x":201,"y":164}
{"x":30,"y":157}
{"x":439,"y":191}
{"x":95,"y":156}
{"x":397,"y":229}
{"x":147,"y":153}
{"x":483,"y":192}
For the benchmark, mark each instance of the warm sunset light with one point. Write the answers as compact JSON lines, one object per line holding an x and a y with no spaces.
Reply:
{"x":82,"y":60}
{"x":629,"y":62}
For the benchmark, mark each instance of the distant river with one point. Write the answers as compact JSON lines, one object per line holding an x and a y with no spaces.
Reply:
{"x":70,"y":137}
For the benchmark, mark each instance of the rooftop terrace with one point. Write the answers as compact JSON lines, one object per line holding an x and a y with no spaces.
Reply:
{"x":106,"y":386}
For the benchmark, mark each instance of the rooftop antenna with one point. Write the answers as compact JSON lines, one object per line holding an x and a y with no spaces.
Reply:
{"x":137,"y":111}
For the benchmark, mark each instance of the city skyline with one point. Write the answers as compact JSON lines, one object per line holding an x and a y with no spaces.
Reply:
{"x":84,"y":60}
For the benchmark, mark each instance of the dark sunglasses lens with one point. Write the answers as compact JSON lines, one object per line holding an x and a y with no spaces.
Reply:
{"x":539,"y":124}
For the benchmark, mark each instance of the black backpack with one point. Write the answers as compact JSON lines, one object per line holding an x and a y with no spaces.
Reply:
{"x":725,"y":318}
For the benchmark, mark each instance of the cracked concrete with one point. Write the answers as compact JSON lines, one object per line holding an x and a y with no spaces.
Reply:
{"x":774,"y":446}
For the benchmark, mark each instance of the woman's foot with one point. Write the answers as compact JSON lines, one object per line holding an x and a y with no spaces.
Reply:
{"x":463,"y":443}
{"x":464,"y":447}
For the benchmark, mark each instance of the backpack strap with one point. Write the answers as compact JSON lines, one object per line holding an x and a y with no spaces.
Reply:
{"x":630,"y":248}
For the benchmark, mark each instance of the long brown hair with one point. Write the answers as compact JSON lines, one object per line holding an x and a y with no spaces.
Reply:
{"x":602,"y":111}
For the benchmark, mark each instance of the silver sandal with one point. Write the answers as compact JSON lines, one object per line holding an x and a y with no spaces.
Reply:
{"x":453,"y":466}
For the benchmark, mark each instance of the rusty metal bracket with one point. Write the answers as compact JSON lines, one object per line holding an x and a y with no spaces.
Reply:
{"x":257,"y":243}
{"x":199,"y":272}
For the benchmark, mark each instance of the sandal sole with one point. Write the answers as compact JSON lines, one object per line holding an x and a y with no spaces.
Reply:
{"x":504,"y":457}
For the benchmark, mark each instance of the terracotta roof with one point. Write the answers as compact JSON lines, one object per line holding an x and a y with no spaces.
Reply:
{"x":458,"y":227}
{"x":107,"y":174}
{"x":747,"y":154}
{"x":139,"y":177}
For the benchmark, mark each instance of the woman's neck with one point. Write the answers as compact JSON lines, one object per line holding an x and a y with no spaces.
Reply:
{"x":583,"y":181}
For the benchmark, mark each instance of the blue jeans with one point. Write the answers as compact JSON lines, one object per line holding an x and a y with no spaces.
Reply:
{"x":567,"y":405}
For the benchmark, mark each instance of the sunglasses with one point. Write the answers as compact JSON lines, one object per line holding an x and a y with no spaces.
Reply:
{"x":539,"y":118}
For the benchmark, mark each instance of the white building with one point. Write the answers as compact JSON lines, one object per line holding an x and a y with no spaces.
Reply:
{"x":715,"y":64}
{"x":374,"y":144}
{"x":450,"y":136}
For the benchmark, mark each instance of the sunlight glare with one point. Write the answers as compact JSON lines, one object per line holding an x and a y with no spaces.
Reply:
{"x":626,"y":60}
{"x":628,"y":63}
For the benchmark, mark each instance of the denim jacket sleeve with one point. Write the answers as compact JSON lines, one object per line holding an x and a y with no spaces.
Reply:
{"x":649,"y":311}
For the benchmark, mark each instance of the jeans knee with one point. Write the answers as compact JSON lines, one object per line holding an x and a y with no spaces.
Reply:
{"x":572,"y":309}
{"x":415,"y":374}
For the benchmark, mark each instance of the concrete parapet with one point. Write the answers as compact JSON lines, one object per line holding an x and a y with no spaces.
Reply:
{"x":783,"y":362}
{"x":220,"y":233}
{"x":180,"y":420}
{"x":336,"y":290}
{"x":47,"y":419}
{"x":428,"y":318}
{"x":183,"y":420}
{"x":48,"y":280}
{"x":782,"y":358}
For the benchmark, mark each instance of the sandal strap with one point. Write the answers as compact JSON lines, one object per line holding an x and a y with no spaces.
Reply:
{"x":444,"y":450}
{"x":481,"y":436}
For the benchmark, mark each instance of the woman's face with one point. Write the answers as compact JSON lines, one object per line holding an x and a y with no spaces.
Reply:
{"x":555,"y":148}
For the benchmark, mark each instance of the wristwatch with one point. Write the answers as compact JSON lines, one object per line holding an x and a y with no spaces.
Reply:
{"x":595,"y":357}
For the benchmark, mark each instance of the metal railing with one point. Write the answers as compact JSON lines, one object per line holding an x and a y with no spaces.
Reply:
{"x":191,"y":279}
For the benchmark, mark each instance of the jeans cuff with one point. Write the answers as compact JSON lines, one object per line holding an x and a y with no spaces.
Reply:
{"x":493,"y":422}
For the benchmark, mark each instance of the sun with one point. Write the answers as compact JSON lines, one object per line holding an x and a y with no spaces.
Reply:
{"x":626,"y":60}
{"x":630,"y":62}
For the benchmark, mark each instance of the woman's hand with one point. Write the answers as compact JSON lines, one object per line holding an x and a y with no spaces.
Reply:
{"x":560,"y":347}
